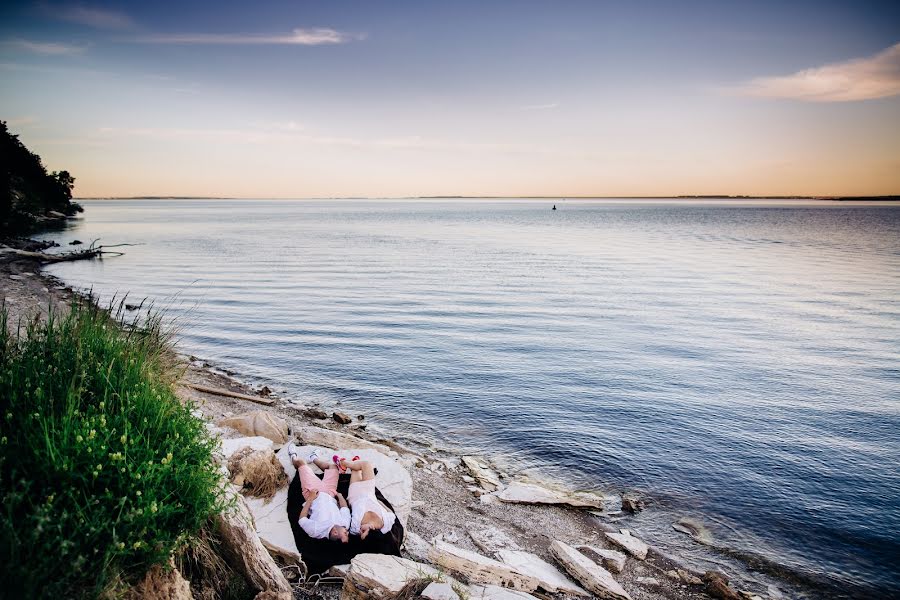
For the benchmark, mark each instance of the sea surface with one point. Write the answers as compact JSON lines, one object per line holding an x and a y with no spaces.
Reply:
{"x":735,"y":362}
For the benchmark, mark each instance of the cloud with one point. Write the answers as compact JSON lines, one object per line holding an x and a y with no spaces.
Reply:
{"x":92,"y":17}
{"x":45,"y":48}
{"x":300,"y":37}
{"x":22,"y":121}
{"x":540,"y":106}
{"x":868,"y":78}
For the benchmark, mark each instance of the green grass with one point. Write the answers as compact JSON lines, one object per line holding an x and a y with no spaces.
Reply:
{"x":103,"y":472}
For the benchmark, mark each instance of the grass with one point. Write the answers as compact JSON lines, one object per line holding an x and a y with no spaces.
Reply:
{"x":103,"y":471}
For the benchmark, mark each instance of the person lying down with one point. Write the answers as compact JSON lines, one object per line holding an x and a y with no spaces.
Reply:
{"x":367,"y":513}
{"x":325,"y":513}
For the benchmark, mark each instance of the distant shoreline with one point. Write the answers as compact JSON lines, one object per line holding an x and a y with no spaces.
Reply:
{"x":894,"y":198}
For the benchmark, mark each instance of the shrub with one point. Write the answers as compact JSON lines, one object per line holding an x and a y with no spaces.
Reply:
{"x":103,"y":471}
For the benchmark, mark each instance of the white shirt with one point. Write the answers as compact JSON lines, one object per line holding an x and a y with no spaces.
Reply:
{"x":323,"y":515}
{"x":366,"y":503}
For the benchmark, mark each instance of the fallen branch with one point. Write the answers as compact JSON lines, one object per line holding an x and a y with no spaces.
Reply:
{"x":92,"y":251}
{"x":229,"y":394}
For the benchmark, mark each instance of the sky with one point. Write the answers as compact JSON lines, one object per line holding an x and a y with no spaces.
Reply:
{"x":345,"y":98}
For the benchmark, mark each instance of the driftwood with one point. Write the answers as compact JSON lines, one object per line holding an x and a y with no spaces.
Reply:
{"x":229,"y":394}
{"x":92,"y":251}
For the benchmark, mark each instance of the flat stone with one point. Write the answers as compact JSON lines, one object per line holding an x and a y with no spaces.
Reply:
{"x":550,"y":578}
{"x":480,"y":569}
{"x":415,"y":546}
{"x":326,"y":438}
{"x":529,"y":493}
{"x":495,"y":592}
{"x":490,"y":539}
{"x":648,"y":581}
{"x":629,"y":543}
{"x":486,"y":478}
{"x":383,"y":576}
{"x":592,"y":576}
{"x":611,"y":559}
{"x":437,"y":590}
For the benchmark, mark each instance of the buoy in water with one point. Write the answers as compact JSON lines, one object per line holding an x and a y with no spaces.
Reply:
{"x":554,"y":207}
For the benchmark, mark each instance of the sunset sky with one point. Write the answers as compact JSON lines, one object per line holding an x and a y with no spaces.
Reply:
{"x":368,"y":98}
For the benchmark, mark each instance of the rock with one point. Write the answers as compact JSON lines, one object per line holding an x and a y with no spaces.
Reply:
{"x":693,"y":528}
{"x":15,"y":277}
{"x":631,"y":503}
{"x":75,"y":243}
{"x":717,"y":586}
{"x":315,"y":413}
{"x":550,"y":579}
{"x":415,"y":546}
{"x":382,"y":576}
{"x":265,"y":391}
{"x":611,"y":559}
{"x":342,"y":418}
{"x":326,"y":438}
{"x":230,"y":446}
{"x":259,"y":471}
{"x":259,"y":423}
{"x":468,"y":479}
{"x":688,"y":577}
{"x":528,"y":493}
{"x":360,"y":417}
{"x":673,"y":574}
{"x":592,"y":576}
{"x":490,"y":539}
{"x":494,"y":592}
{"x":486,"y":478}
{"x":439,"y":591}
{"x":161,"y":583}
{"x":480,"y":569}
{"x":245,"y":552}
{"x":648,"y":581}
{"x":629,"y":543}
{"x":339,"y":571}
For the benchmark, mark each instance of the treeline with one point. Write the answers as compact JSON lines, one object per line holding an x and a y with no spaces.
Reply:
{"x":30,"y":195}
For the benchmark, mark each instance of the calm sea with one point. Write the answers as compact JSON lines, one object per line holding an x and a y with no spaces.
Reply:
{"x":739,"y":363}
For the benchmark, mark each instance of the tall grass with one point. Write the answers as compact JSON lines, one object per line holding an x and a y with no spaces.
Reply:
{"x":103,"y":472}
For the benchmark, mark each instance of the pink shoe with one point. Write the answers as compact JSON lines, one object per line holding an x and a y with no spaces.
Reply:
{"x":337,"y":462}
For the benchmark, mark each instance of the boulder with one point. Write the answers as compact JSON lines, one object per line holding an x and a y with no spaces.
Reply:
{"x":490,"y":539}
{"x":529,"y":493}
{"x":342,"y":418}
{"x":480,"y":569}
{"x":245,"y":552}
{"x":258,"y":423}
{"x":315,"y":413}
{"x":592,"y":576}
{"x":549,"y":577}
{"x":717,"y":586}
{"x":629,"y":543}
{"x":383,"y":577}
{"x":486,"y":478}
{"x":610,"y":559}
{"x":631,"y":503}
{"x":326,"y":438}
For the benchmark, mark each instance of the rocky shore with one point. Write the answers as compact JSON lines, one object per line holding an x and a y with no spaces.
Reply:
{"x":471,"y":530}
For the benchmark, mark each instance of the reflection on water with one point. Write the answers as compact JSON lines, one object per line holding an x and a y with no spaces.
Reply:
{"x":738,"y":362}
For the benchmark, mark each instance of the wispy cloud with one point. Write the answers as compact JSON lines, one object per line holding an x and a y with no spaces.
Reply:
{"x":540,"y":106}
{"x":45,"y":48}
{"x":868,"y":78}
{"x":301,"y":37}
{"x":22,"y":121}
{"x":92,"y":17}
